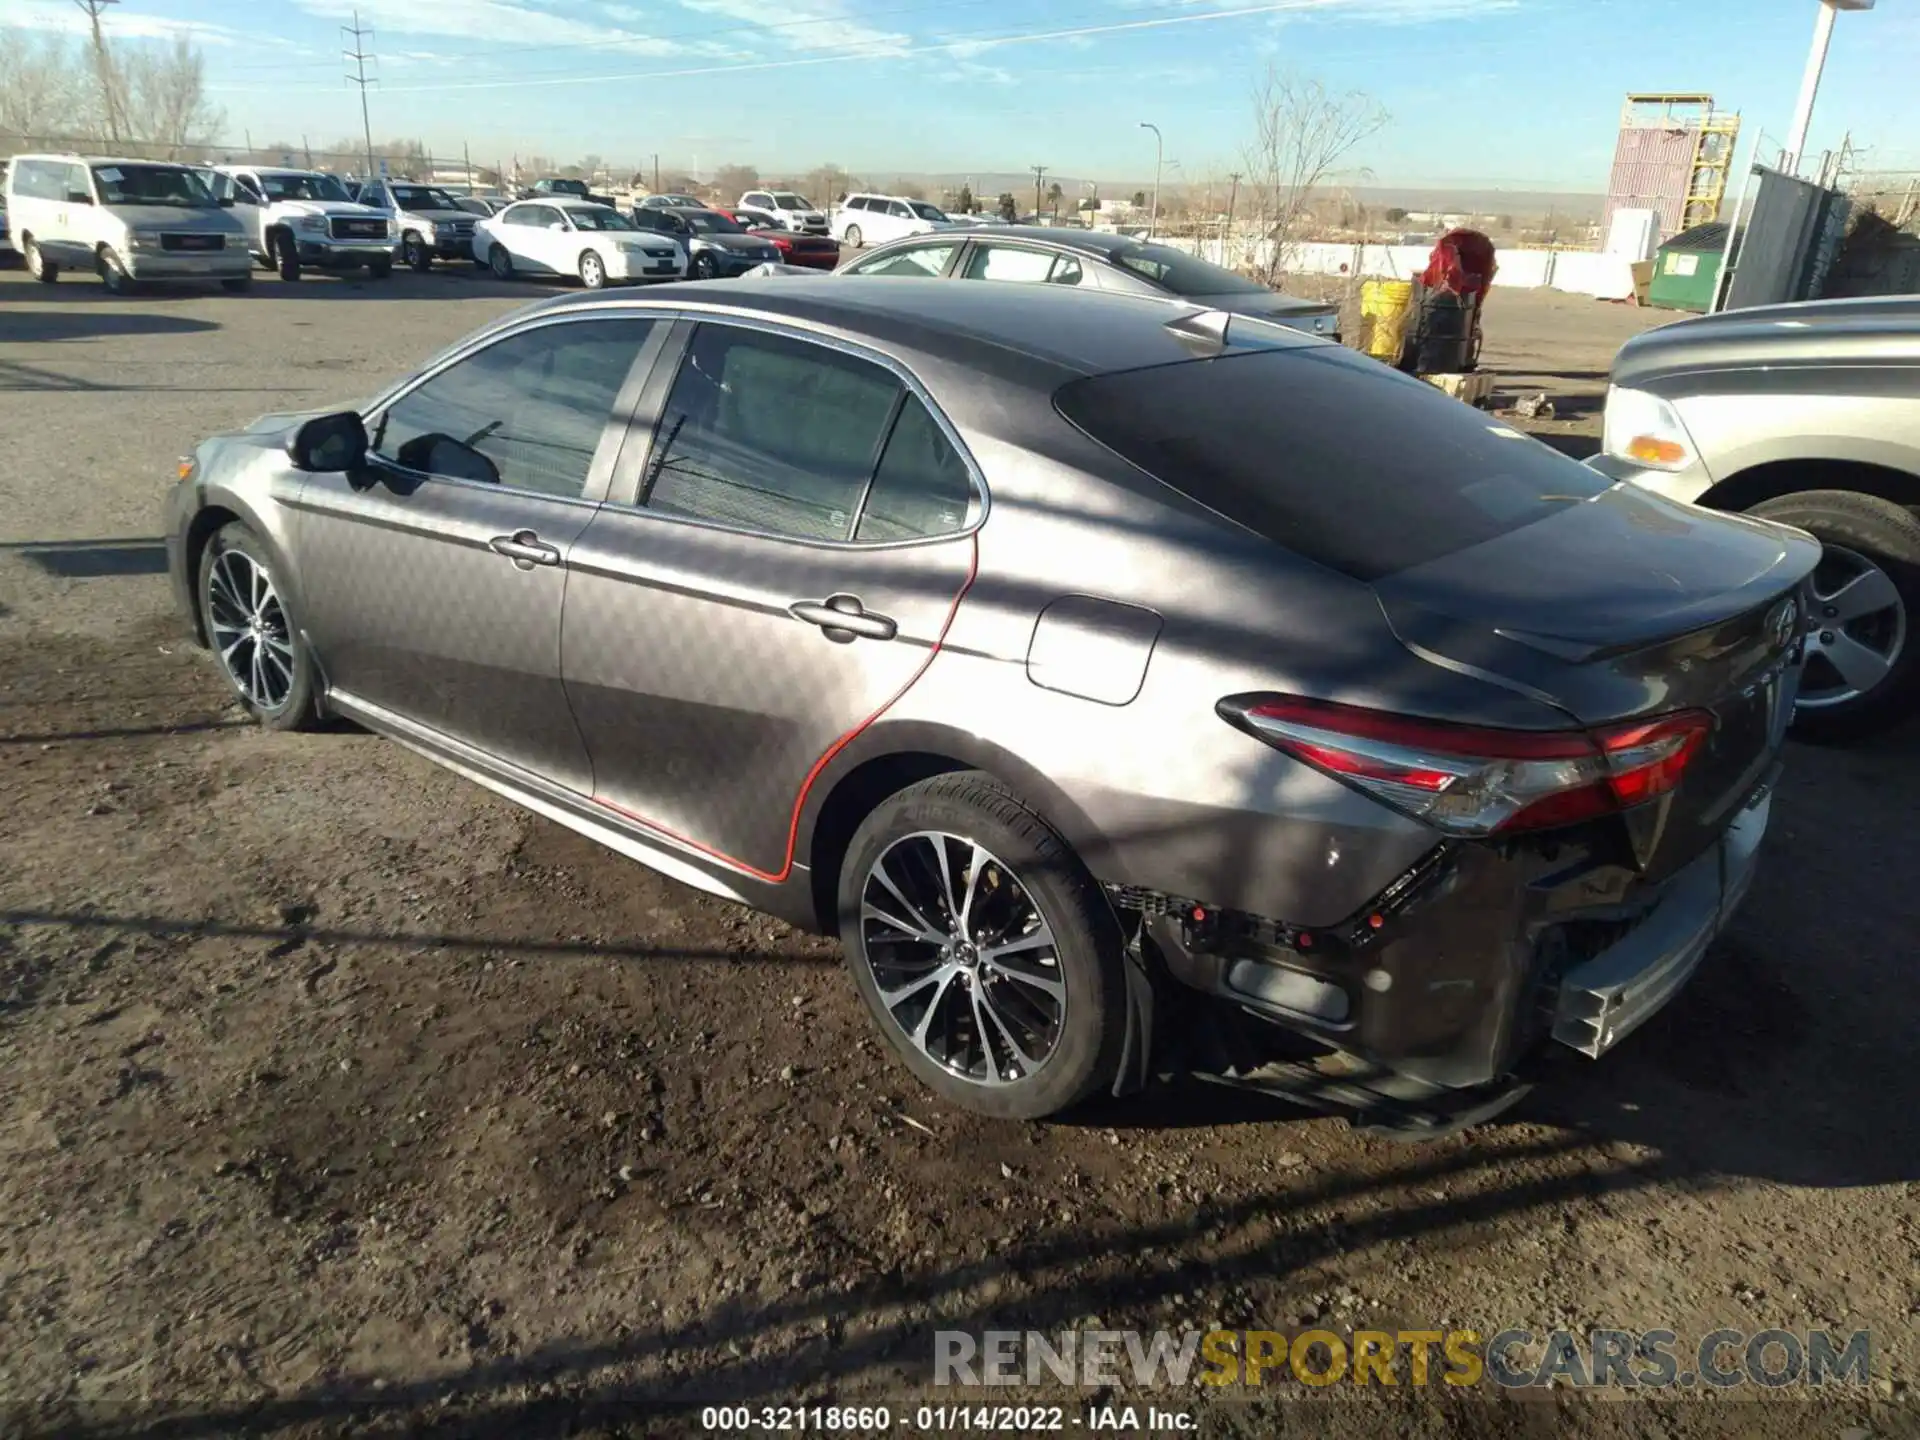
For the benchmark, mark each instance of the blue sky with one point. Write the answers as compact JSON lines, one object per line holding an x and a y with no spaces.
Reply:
{"x":1515,"y":93}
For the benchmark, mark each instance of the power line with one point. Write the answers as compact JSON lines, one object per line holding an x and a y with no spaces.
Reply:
{"x":359,"y":54}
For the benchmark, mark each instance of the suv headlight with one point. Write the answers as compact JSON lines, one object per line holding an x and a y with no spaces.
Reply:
{"x":143,"y":240}
{"x":1646,"y":430}
{"x":312,"y":224}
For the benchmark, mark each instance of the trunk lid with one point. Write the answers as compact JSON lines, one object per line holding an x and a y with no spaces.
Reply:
{"x":1626,"y":606}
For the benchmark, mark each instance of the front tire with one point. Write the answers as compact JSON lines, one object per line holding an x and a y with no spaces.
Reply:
{"x":1863,"y":657}
{"x":253,"y":632}
{"x":852,"y":237}
{"x":286,"y":257}
{"x":417,"y":255}
{"x":593,"y":270}
{"x":38,"y":265}
{"x":113,"y":274}
{"x":500,"y":262}
{"x":985,"y":952}
{"x":705,"y":267}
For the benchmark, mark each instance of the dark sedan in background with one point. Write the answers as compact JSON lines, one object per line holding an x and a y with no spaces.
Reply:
{"x":717,"y":246}
{"x":801,"y":249}
{"x":1093,"y":260}
{"x":1077,"y":658}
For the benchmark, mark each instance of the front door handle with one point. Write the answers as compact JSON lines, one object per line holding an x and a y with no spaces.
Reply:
{"x":525,"y":549}
{"x":843,"y":619}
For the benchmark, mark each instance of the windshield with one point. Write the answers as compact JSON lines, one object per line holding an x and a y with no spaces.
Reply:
{"x":711,"y":222}
{"x":150,"y":185}
{"x":1182,"y":273}
{"x":423,"y":197}
{"x":303,"y":187}
{"x":597,"y":217}
{"x":787,"y":200}
{"x":567,"y":187}
{"x":927,"y":212}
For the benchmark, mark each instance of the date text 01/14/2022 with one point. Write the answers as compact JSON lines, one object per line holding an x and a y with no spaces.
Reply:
{"x":945,"y":1419}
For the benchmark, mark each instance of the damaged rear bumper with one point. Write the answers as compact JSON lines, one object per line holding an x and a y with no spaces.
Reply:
{"x":1479,"y":957}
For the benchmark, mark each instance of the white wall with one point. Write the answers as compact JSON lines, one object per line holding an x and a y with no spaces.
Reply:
{"x":1583,"y":272}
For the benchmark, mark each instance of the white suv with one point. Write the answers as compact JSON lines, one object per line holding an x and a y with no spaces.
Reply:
{"x":786,"y":210}
{"x":296,"y":218}
{"x":876,"y":219}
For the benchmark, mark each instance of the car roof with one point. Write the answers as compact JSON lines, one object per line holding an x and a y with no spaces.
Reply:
{"x":566,"y":202}
{"x":1073,"y":332}
{"x":71,"y":157}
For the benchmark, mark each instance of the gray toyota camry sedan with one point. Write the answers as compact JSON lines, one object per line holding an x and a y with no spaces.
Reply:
{"x":1107,"y":672}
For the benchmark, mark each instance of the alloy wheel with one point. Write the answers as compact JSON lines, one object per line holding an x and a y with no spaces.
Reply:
{"x":1858,"y":629}
{"x":963,"y":960}
{"x":249,"y":630}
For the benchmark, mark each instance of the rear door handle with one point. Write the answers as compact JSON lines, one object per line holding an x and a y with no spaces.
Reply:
{"x":525,"y":549}
{"x":843,"y":619}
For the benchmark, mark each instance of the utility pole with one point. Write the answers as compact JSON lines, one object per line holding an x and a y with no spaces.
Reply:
{"x":1039,"y":174}
{"x":360,"y":54}
{"x":1226,"y":235}
{"x":656,"y":172}
{"x":307,"y":150}
{"x":103,"y":64}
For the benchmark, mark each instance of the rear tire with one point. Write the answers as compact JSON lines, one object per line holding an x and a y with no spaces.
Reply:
{"x":1053,"y":1011}
{"x":265,"y":665}
{"x":1872,"y":561}
{"x":38,"y":266}
{"x":286,"y":256}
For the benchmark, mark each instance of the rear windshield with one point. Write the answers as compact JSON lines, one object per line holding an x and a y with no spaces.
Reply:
{"x":1328,"y":454}
{"x":1182,"y":273}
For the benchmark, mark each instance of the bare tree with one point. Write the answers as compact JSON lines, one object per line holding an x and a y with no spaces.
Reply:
{"x":1302,"y":131}
{"x":40,"y":92}
{"x":165,"y":97}
{"x":733,"y":181}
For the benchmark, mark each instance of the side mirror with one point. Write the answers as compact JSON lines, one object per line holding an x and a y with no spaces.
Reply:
{"x":227,"y":202}
{"x":556,"y":224}
{"x":329,"y":444}
{"x":79,"y":197}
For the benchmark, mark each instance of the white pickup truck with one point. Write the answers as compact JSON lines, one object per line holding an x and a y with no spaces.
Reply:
{"x":296,"y":219}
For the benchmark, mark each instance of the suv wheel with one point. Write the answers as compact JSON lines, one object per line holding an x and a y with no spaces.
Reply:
{"x":38,"y":266}
{"x":253,"y":632}
{"x":286,"y":256}
{"x":1863,"y":659}
{"x":984,"y":950}
{"x":418,"y":257}
{"x":113,"y":274}
{"x":852,"y":237}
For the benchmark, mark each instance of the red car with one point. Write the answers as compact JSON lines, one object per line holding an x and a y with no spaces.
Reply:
{"x":817,"y":252}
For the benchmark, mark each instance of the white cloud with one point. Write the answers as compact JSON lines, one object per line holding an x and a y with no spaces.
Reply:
{"x":118,"y":24}
{"x":490,"y":22}
{"x":819,"y":25}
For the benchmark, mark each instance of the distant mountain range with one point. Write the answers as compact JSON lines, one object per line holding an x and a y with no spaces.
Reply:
{"x":1479,"y":200}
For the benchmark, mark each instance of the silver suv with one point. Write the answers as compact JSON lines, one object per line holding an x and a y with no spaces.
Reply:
{"x":1807,"y":414}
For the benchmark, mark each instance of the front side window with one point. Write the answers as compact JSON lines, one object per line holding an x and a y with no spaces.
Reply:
{"x":525,"y":412}
{"x":922,"y":487}
{"x":929,"y":212}
{"x":1009,"y":262}
{"x":767,"y":433}
{"x":899,"y":208}
{"x":921,"y":260}
{"x":423,"y":197}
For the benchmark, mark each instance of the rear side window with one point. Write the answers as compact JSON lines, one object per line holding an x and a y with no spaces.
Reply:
{"x":768,"y":433}
{"x":1324,"y":453}
{"x":921,"y":488}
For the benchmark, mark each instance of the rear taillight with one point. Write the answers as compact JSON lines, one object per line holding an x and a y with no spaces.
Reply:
{"x":1473,"y":780}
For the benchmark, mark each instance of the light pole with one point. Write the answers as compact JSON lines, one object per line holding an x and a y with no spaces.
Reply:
{"x":1159,"y":149}
{"x":1810,"y":82}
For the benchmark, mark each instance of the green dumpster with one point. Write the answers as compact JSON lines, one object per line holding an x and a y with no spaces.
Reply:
{"x":1687,"y":267}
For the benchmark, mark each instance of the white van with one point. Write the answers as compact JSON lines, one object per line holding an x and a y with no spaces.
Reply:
{"x":128,"y":221}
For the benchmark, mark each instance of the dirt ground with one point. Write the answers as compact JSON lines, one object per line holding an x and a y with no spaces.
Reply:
{"x":338,"y":1095}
